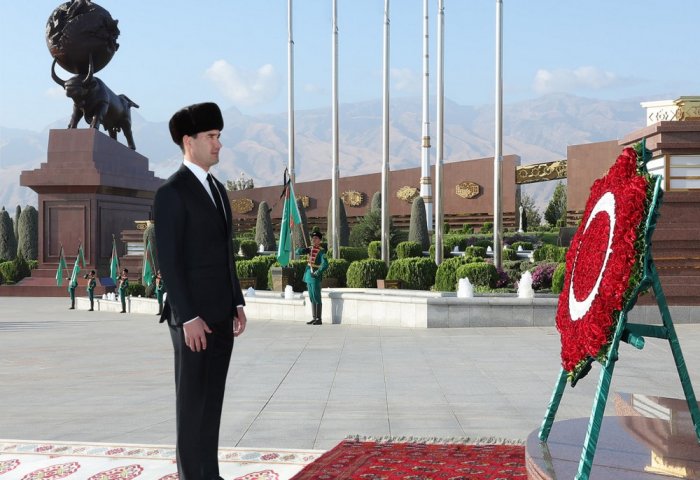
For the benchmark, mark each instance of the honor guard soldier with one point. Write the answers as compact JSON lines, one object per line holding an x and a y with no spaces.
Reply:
{"x":313,"y":275}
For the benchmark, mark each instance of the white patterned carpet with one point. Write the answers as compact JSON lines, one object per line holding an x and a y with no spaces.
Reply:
{"x":36,"y":460}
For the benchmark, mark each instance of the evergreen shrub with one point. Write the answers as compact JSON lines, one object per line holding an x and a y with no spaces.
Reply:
{"x":558,"y":278}
{"x":480,"y":274}
{"x":256,"y":267}
{"x":475,"y":251}
{"x":351,"y":254}
{"x":249,"y":248}
{"x":509,"y":254}
{"x":414,"y":273}
{"x":549,"y":253}
{"x":446,"y":251}
{"x":487,"y":227}
{"x":8,"y":271}
{"x":365,"y":273}
{"x":374,"y":249}
{"x":337,"y":268}
{"x":135,"y":289}
{"x":525,"y":245}
{"x":409,"y":249}
{"x":446,"y":274}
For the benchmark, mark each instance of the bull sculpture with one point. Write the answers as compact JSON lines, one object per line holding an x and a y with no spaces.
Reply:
{"x":98,"y":104}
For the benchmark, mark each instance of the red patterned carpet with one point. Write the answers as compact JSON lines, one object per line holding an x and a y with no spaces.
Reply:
{"x":417,"y":461}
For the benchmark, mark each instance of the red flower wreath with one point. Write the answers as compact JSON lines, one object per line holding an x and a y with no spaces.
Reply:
{"x":604,"y":253}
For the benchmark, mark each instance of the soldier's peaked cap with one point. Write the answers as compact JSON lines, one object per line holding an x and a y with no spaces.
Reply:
{"x":200,"y":117}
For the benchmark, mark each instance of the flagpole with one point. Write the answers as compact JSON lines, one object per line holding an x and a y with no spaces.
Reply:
{"x":425,"y":187}
{"x":385,"y":139}
{"x":334,"y":179}
{"x":498,"y":154}
{"x":290,"y":92}
{"x":439,"y":214}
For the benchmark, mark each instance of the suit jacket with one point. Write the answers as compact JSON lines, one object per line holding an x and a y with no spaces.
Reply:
{"x":195,"y":252}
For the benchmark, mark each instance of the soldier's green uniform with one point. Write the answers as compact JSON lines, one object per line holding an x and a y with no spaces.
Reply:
{"x":71,"y":291}
{"x":92,"y":283}
{"x":160,"y":290}
{"x":313,"y":275}
{"x":123,"y":287}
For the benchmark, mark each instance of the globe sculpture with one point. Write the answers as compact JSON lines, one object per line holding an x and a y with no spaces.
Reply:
{"x":77,"y":29}
{"x":82,"y":39}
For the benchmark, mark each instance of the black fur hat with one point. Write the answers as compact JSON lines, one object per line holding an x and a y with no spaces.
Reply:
{"x":316,"y":232}
{"x":200,"y":117}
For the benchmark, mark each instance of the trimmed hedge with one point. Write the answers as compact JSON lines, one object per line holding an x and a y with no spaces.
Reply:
{"x":549,"y":253}
{"x":558,"y":278}
{"x":249,"y":248}
{"x":446,"y":251}
{"x":475,"y":251}
{"x":525,"y":245}
{"x":350,"y":254}
{"x":509,"y":254}
{"x":479,"y":274}
{"x":364,"y":273}
{"x":374,"y":249}
{"x":446,"y":274}
{"x":409,"y":249}
{"x":414,"y":273}
{"x":337,"y":268}
{"x":135,"y":289}
{"x":257,"y":267}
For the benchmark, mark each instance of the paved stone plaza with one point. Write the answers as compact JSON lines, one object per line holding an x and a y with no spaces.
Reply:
{"x":108,"y":377}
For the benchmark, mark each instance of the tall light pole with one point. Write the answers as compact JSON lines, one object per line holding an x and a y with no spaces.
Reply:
{"x":425,"y":186}
{"x":498,"y":154}
{"x":334,"y":178}
{"x":385,"y":139}
{"x":439,"y":153}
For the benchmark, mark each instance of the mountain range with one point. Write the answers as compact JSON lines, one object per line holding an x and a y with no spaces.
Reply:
{"x":538,"y":130}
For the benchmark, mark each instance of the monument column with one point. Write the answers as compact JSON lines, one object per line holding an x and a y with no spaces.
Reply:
{"x":90,"y":188}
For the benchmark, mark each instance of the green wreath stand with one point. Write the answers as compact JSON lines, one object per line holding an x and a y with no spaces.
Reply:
{"x":632,"y":334}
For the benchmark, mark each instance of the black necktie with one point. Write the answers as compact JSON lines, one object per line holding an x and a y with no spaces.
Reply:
{"x":217,"y":197}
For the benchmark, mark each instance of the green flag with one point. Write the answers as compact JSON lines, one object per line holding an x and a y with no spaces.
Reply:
{"x":81,"y":255}
{"x":290,"y":217}
{"x":76,"y":271}
{"x":147,"y":269}
{"x":61,"y":267}
{"x":114,"y":262}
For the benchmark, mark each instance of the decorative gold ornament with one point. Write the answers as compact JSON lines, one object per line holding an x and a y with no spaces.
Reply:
{"x":468,"y":189}
{"x":242,"y":205}
{"x":142,"y":224}
{"x":540,"y":172}
{"x":352,"y":198}
{"x":407,"y":194}
{"x":304,"y":199}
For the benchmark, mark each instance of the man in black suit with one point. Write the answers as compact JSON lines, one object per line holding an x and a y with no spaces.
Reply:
{"x":204,"y":305}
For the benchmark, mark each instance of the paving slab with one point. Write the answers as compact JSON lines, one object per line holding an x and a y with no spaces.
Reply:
{"x":73,"y":375}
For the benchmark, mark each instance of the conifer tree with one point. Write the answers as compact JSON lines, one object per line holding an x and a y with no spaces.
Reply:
{"x":376,"y":205}
{"x":264,"y":235}
{"x":344,"y":229}
{"x":301,"y":232}
{"x":556,"y":209}
{"x":18,"y":212}
{"x":8,"y":244}
{"x":28,"y":233}
{"x":418,"y":228}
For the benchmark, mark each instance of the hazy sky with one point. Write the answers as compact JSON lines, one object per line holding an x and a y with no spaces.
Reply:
{"x":234,"y":52}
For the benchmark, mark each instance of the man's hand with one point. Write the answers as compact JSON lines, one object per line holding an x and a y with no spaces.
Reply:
{"x":239,"y":322}
{"x":195,"y":334}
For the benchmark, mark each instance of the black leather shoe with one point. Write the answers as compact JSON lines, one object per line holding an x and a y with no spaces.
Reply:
{"x":123,"y":311}
{"x":316,"y":322}
{"x":71,"y":308}
{"x":91,"y":310}
{"x":311,"y":322}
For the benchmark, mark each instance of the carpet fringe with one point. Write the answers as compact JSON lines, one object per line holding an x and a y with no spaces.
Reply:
{"x":436,"y":440}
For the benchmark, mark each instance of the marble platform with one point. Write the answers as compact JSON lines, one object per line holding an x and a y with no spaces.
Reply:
{"x":650,"y":438}
{"x":406,"y":308}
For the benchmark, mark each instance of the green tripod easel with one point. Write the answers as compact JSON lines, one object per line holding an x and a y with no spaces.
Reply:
{"x":634,"y":335}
